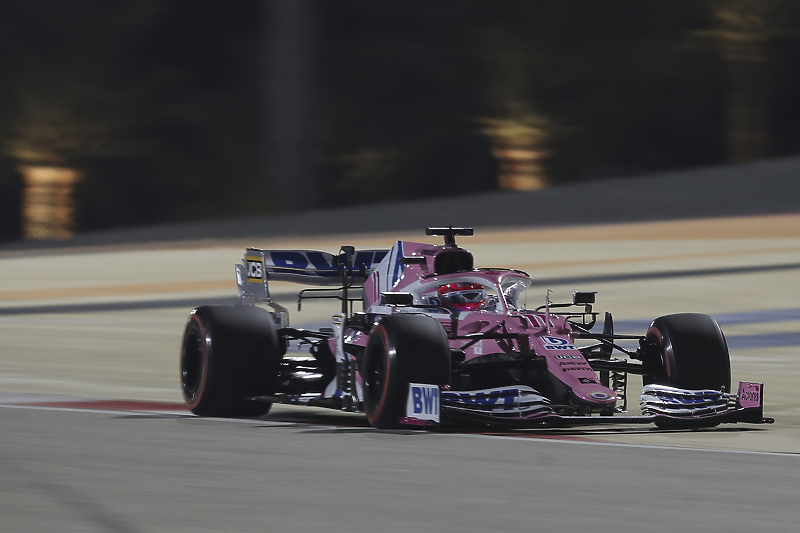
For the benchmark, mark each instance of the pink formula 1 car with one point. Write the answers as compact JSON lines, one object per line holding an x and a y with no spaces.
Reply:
{"x":439,"y":341}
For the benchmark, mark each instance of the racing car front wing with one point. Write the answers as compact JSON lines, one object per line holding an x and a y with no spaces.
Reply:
{"x":521,"y":406}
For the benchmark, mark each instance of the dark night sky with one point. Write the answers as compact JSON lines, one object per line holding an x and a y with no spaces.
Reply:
{"x":196,"y":109}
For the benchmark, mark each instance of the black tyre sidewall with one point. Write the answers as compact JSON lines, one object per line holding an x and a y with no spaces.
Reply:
{"x":238,"y":357}
{"x":194,"y":363}
{"x":694,"y":353}
{"x":405,"y":348}
{"x":382,"y":399}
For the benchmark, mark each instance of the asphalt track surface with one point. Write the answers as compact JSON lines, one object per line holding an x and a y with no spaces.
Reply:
{"x":127,"y":472}
{"x":95,"y":438}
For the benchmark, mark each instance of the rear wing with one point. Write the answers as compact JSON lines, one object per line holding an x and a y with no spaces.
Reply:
{"x":309,"y":267}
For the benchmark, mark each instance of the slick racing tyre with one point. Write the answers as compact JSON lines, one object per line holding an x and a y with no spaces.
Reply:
{"x":229,"y":355}
{"x":693,"y":355}
{"x":402,"y":349}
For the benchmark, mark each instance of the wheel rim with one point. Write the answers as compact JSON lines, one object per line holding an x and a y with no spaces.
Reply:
{"x":192,"y":364}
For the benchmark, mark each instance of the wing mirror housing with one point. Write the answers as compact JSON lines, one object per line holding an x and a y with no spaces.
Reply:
{"x":397,"y":298}
{"x":583,"y":298}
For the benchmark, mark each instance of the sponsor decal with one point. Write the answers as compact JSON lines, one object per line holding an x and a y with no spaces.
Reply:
{"x":557,"y":343}
{"x":338,"y":319}
{"x":599,"y":395}
{"x":485,"y":397}
{"x":255,"y":269}
{"x":318,"y":263}
{"x":588,"y":380}
{"x":571,"y":368}
{"x":749,"y":394}
{"x":568,"y":356}
{"x":301,"y":260}
{"x":423,"y":402}
{"x":571,"y":363}
{"x":368,"y":259}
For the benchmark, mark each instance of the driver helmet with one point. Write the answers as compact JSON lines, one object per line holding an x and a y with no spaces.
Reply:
{"x":462,"y":296}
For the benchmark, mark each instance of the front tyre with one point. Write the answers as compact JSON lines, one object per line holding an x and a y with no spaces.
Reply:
{"x":693,"y":355}
{"x":229,"y":354}
{"x":693,"y":352}
{"x":402,"y":349}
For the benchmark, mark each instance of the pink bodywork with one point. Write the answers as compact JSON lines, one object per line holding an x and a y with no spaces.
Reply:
{"x":553,"y":341}
{"x":749,"y":394}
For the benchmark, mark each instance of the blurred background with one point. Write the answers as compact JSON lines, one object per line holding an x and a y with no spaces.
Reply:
{"x":138,"y":112}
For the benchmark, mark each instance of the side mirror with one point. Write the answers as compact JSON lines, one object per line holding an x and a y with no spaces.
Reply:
{"x":583,"y":298}
{"x":397,"y":298}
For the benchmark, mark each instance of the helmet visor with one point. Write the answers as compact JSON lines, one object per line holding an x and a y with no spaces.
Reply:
{"x":462,"y":296}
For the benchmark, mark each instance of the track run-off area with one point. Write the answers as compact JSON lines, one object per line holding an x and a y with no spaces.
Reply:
{"x":96,"y":438}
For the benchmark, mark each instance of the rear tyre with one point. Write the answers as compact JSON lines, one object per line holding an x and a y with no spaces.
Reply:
{"x":693,"y":355}
{"x":402,"y":349}
{"x":229,"y":354}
